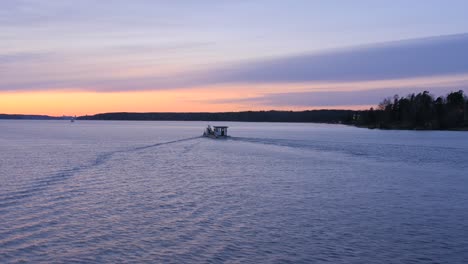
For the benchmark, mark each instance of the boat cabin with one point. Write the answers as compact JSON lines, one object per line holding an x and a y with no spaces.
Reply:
{"x":216,"y":132}
{"x":220,"y":131}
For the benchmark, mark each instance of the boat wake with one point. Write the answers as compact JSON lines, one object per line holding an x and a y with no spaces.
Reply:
{"x":278,"y":142}
{"x":416,"y":154}
{"x":15,"y":197}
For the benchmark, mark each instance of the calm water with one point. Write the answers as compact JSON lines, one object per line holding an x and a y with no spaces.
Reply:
{"x":274,"y":193}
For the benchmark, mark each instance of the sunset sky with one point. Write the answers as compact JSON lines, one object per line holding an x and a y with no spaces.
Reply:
{"x":69,"y":57}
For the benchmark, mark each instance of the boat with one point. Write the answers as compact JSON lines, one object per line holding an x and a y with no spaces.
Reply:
{"x":216,"y":132}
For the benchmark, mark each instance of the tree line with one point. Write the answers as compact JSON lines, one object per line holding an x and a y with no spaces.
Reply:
{"x":32,"y":117}
{"x":418,"y":111}
{"x":315,"y":116}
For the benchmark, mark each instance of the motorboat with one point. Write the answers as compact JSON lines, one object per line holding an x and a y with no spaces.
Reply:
{"x":216,"y":132}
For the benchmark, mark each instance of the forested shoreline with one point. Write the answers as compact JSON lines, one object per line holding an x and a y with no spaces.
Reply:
{"x":32,"y":117}
{"x":418,"y":111}
{"x":311,"y":116}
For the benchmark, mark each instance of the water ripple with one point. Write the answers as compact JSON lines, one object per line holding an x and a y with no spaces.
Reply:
{"x":97,"y":192}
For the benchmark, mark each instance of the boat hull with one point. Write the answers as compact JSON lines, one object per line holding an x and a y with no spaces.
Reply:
{"x":215,"y":137}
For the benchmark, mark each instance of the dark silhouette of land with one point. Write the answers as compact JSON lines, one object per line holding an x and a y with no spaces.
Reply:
{"x":414,"y":111}
{"x":314,"y":116}
{"x":418,"y":111}
{"x":33,"y":117}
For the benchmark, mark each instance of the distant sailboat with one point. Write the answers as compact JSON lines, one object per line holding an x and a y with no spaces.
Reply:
{"x":73,"y":119}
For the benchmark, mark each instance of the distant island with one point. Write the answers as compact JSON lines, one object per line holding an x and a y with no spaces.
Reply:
{"x":415,"y":111}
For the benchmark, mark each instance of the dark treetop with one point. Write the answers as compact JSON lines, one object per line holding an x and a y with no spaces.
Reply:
{"x":418,"y":111}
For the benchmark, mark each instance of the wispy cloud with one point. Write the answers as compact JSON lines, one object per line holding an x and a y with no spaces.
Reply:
{"x":436,"y":56}
{"x":21,"y":57}
{"x":163,"y":47}
{"x":402,"y":59}
{"x":333,"y":98}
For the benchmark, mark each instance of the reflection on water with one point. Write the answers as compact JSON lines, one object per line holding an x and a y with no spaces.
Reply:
{"x":157,"y":192}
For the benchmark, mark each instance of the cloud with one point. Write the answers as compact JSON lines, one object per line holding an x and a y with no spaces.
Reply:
{"x":162,"y":47}
{"x":21,"y":57}
{"x":335,"y":98}
{"x":402,"y":59}
{"x":435,"y":56}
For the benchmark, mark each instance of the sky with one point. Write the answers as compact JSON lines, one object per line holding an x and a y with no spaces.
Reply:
{"x":68,"y":57}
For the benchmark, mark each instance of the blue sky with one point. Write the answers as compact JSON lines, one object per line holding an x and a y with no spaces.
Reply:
{"x":106,"y":46}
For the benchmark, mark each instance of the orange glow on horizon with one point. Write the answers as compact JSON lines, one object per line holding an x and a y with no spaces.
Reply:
{"x":89,"y":103}
{"x":213,"y":98}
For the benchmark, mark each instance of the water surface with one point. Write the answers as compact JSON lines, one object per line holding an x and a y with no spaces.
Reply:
{"x":130,"y":192}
